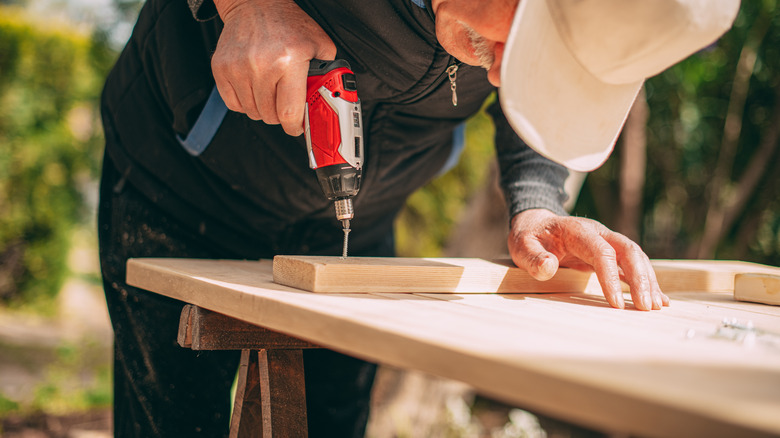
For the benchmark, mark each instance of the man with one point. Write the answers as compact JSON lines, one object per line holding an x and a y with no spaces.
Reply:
{"x":183,"y":178}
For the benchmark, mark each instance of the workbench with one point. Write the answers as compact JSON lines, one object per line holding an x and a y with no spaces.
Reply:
{"x":705,"y":366}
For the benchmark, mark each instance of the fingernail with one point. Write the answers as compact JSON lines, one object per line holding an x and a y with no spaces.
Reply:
{"x":659,"y":303}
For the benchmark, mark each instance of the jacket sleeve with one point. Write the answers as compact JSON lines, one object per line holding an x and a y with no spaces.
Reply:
{"x":528,"y":179}
{"x":202,"y":10}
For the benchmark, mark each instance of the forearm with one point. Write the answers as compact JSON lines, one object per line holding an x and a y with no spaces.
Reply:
{"x":529,"y":180}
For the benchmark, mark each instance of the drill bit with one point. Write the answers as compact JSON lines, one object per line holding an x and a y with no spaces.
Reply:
{"x":344,"y":213}
{"x":345,"y":222}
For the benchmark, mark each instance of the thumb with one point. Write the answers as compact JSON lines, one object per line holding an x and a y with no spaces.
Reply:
{"x":546,"y":266}
{"x":534,"y":258}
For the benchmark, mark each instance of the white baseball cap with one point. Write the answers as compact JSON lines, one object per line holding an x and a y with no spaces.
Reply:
{"x":571,"y":69}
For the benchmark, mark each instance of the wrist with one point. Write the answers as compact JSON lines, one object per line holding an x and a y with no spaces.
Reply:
{"x":530,"y":216}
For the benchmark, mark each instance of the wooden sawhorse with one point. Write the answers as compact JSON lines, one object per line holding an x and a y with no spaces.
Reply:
{"x":270,"y":395}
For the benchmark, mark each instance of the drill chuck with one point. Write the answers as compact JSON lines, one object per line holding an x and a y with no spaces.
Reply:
{"x":344,"y":209}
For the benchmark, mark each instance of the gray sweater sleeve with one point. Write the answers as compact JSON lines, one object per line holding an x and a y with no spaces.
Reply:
{"x":202,"y":10}
{"x":528,"y":179}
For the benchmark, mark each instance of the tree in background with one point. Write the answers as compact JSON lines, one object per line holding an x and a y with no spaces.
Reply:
{"x":712,"y":179}
{"x":50,"y":142}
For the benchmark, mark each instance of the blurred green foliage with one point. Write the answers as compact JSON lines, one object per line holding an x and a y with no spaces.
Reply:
{"x":7,"y":405}
{"x":79,"y":379}
{"x":50,"y":79}
{"x":424,"y":226}
{"x":690,"y":171}
{"x":76,"y":376}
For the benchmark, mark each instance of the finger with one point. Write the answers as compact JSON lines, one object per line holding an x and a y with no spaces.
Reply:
{"x":224,"y":87}
{"x":228,"y":95}
{"x":608,"y":274}
{"x":657,"y":292}
{"x":635,"y":266}
{"x":529,"y":254}
{"x":642,"y":262}
{"x":588,"y":245}
{"x":246,"y":102}
{"x":291,"y":99}
{"x":264,"y":92}
{"x":232,"y":89}
{"x":655,"y":289}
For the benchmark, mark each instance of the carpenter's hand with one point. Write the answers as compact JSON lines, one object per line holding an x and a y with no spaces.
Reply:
{"x":262,"y":59}
{"x":540,"y":241}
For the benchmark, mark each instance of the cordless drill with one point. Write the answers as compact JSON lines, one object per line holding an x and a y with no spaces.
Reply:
{"x":333,"y":129}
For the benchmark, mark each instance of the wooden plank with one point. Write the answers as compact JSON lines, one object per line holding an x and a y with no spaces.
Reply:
{"x":202,"y":329}
{"x":758,"y":288}
{"x":464,"y":275}
{"x":704,"y":275}
{"x":566,"y":355}
{"x":691,"y":326}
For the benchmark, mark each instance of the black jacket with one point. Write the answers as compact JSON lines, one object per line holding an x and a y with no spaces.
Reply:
{"x":251,"y":190}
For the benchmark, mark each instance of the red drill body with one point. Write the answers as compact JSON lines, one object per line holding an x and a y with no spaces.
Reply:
{"x":333,"y":128}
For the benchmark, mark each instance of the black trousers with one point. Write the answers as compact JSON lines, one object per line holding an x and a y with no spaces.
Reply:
{"x":163,"y":390}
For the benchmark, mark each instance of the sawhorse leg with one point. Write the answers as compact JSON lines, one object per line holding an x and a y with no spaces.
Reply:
{"x":270,"y":396}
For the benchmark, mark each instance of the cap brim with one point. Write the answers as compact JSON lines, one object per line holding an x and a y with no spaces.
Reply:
{"x":559,"y":108}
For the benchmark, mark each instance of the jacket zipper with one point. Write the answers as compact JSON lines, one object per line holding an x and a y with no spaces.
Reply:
{"x":452,"y":75}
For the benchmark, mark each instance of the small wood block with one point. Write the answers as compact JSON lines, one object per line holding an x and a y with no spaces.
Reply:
{"x":411,"y":275}
{"x":757,"y":288}
{"x":201,"y":329}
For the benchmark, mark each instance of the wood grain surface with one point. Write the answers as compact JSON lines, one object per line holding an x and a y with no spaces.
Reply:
{"x":673,"y":372}
{"x":465,"y":275}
